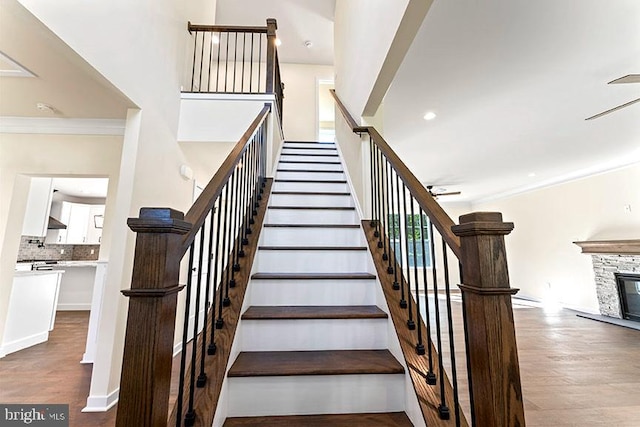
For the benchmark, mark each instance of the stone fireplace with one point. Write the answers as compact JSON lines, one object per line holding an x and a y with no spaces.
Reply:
{"x":609,"y":258}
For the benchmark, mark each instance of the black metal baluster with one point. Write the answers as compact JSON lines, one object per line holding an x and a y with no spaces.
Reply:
{"x":251,"y":186}
{"x":259,"y":60}
{"x":443,"y":410}
{"x":238,"y":216}
{"x":430,"y":377}
{"x":388,"y":218}
{"x":419,"y":345}
{"x":235,"y":60}
{"x":395,"y":217}
{"x":401,"y":220}
{"x":466,"y":344}
{"x":185,"y":332}
{"x":201,"y":63}
{"x":251,"y":67}
{"x":376,"y":215}
{"x":190,"y":416}
{"x":452,"y":347}
{"x":193,"y":67}
{"x":211,"y":350}
{"x":223,"y":212}
{"x":379,"y":181}
{"x":226,"y":63}
{"x":210,"y":60}
{"x":244,"y":48}
{"x":410,"y":323}
{"x":227,"y":264}
{"x":234,"y":228}
{"x":218,"y":62}
{"x":372,"y":223}
{"x":243,"y":203}
{"x":202,"y":377}
{"x":384,"y":208}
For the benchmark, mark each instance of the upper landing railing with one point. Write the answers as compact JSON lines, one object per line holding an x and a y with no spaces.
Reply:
{"x":414,"y":243}
{"x":236,"y":59}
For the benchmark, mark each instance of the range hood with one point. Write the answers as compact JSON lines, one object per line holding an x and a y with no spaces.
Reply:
{"x":54,"y":224}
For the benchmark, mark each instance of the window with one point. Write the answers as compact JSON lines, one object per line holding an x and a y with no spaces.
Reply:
{"x":413,"y":231}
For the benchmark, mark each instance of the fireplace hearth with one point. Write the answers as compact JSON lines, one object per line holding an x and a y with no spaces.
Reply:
{"x":629,"y":292}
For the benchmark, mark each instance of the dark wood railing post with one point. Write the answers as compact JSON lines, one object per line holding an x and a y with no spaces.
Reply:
{"x":488,"y":314}
{"x":148,"y":348}
{"x":272,"y":26}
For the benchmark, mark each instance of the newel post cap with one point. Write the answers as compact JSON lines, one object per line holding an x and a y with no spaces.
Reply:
{"x":482,"y":223}
{"x":159,"y":220}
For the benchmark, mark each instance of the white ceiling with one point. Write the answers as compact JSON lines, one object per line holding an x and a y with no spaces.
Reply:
{"x":511,"y":83}
{"x":62,"y":79}
{"x":298,"y":21}
{"x":82,"y":187}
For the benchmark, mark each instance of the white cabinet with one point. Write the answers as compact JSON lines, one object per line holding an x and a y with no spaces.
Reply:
{"x":36,"y":217}
{"x":80,"y":221}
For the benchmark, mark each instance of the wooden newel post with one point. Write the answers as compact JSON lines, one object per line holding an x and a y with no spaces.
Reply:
{"x":148,"y":348}
{"x":272,"y":26}
{"x":489,"y":326}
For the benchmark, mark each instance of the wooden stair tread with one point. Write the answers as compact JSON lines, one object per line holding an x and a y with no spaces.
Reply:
{"x":313,"y":225}
{"x":311,"y":193}
{"x":383,"y":419}
{"x":283,"y":312}
{"x":308,"y":171}
{"x":318,"y":208}
{"x":314,"y":276}
{"x":318,"y":181}
{"x":317,"y":162}
{"x":313,"y":248}
{"x":328,"y":362}
{"x":310,"y":154}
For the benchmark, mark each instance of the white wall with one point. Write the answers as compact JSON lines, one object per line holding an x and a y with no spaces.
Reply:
{"x":540,"y":249}
{"x":371,"y":38}
{"x":301,"y":99}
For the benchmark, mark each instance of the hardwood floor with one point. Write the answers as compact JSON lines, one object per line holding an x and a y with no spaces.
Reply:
{"x":51,"y":372}
{"x":575,"y":371}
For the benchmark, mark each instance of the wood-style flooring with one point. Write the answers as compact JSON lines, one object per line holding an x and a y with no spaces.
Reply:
{"x":575,"y":371}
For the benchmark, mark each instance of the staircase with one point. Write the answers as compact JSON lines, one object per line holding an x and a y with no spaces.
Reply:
{"x":314,"y":340}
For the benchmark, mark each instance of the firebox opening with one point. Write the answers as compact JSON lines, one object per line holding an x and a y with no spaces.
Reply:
{"x":629,"y":290}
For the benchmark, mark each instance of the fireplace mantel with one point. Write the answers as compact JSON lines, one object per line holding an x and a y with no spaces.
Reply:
{"x":617,"y":247}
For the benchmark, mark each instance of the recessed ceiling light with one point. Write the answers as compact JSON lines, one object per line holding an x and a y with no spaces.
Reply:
{"x":430,"y":115}
{"x":278,"y":42}
{"x":308,"y":44}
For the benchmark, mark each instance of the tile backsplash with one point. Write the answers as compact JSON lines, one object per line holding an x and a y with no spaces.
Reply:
{"x":51,"y":252}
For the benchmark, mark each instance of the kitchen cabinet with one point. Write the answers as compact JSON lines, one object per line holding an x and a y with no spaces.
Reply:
{"x":36,"y":217}
{"x":80,"y":221}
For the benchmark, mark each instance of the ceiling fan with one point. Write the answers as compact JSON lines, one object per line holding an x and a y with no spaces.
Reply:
{"x":630,"y":78}
{"x":443,"y":192}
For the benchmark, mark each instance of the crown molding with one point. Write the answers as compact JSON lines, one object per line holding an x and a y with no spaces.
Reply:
{"x":60,"y":126}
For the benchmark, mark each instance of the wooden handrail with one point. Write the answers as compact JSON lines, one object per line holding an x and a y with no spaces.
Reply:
{"x":434,"y":211}
{"x":204,"y":203}
{"x":225,"y":28}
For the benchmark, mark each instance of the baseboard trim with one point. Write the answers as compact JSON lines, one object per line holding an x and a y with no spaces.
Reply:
{"x":102,"y":403}
{"x":23,"y":343}
{"x":73,"y":307}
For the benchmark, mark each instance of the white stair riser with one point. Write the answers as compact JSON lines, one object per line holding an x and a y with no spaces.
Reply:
{"x":312,"y":292}
{"x":316,"y":394}
{"x":314,"y":334}
{"x":308,"y":151}
{"x":277,"y":236}
{"x":301,"y":261}
{"x":305,"y":145}
{"x":335,"y":187}
{"x":311,"y":216}
{"x":316,"y":176}
{"x":310,"y":200}
{"x":312,"y":166}
{"x":303,"y":156}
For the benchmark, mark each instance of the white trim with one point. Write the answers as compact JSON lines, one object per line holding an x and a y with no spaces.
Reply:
{"x":59,"y":126}
{"x":73,"y":307}
{"x":563,"y":179}
{"x":267,"y":97}
{"x":102,"y":403}
{"x":19,"y":70}
{"x":23,"y":343}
